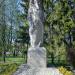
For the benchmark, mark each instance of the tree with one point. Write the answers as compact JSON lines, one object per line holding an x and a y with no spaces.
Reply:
{"x":8,"y":25}
{"x":23,"y":32}
{"x":12,"y":22}
{"x":60,"y":22}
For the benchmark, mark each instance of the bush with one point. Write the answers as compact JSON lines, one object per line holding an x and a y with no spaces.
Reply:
{"x":64,"y":71}
{"x":8,"y":69}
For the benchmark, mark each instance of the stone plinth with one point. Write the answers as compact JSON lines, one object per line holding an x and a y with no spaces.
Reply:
{"x":26,"y":70}
{"x":37,"y":57}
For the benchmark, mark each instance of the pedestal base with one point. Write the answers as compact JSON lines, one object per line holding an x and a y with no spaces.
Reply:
{"x":26,"y":70}
{"x":37,"y":57}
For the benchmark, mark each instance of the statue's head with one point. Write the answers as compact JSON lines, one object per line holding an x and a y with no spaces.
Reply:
{"x":36,"y":3}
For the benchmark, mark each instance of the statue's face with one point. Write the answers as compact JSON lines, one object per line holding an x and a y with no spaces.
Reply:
{"x":39,"y":2}
{"x":32,"y":1}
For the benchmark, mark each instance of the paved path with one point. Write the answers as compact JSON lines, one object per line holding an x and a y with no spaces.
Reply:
{"x":26,"y":70}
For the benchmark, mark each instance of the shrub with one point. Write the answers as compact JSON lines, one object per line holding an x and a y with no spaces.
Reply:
{"x":8,"y":69}
{"x":64,"y":71}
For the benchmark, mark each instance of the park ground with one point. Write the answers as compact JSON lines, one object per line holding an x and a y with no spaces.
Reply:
{"x":12,"y":65}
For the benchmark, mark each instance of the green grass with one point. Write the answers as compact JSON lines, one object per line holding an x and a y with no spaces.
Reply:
{"x":13,"y":60}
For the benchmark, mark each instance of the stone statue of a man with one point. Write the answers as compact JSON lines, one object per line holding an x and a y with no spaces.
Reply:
{"x":35,"y":18}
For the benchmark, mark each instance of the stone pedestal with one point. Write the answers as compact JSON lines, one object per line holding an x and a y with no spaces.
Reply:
{"x":26,"y":70}
{"x":37,"y":57}
{"x":36,"y":64}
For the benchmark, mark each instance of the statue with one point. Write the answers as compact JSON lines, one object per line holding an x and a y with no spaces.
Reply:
{"x":35,"y":17}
